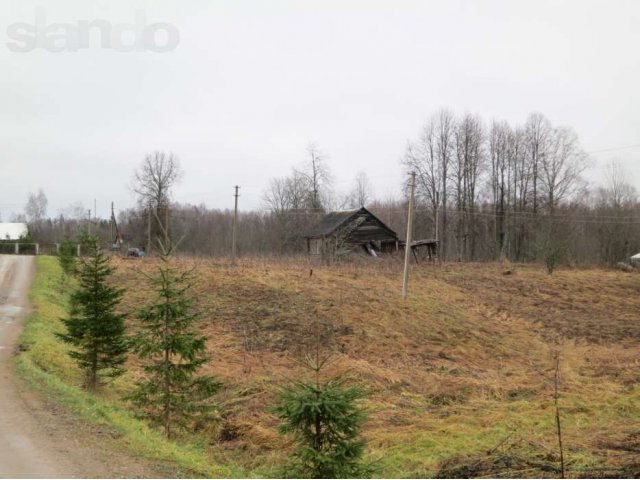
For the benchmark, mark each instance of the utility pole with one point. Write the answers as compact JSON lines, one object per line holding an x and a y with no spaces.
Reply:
{"x":407,"y":247}
{"x":437,"y":220}
{"x":111,"y":239}
{"x":437,"y":211}
{"x":89,"y":223}
{"x":235,"y":225}
{"x":148,"y":252}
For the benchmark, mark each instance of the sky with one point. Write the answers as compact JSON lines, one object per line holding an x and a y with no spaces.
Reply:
{"x":250,"y":84}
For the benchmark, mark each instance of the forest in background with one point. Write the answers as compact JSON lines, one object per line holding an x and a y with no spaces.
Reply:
{"x":487,"y":190}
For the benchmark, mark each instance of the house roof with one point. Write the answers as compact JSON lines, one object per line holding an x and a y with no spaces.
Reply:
{"x":329,"y":223}
{"x":334,"y":220}
{"x":636,"y":256}
{"x":13,"y":231}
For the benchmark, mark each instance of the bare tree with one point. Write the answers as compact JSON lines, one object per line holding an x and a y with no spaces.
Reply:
{"x":617,"y":190}
{"x":152,"y":182}
{"x":36,"y":209}
{"x":290,"y":201}
{"x":155,"y":177}
{"x":74,"y":211}
{"x":537,"y":130}
{"x":499,"y":137}
{"x":445,"y":148}
{"x":470,"y":139}
{"x":521,"y":178}
{"x":277,"y":195}
{"x":420,"y":157}
{"x":431,"y":158}
{"x":616,"y":201}
{"x":361,"y":192}
{"x":561,"y":167}
{"x":318,"y":176}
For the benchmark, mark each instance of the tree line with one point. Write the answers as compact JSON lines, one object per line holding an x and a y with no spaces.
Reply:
{"x":514,"y":192}
{"x":486,"y":190}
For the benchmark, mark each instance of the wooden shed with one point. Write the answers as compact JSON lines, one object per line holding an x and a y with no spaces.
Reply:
{"x":358,"y":230}
{"x":427,"y":249}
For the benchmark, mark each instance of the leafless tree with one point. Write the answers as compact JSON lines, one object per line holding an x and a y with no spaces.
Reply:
{"x":616,"y":201}
{"x":537,"y":130}
{"x":431,"y":158}
{"x":36,"y":209}
{"x":291,"y":202}
{"x":561,"y":167}
{"x":277,"y":195}
{"x":470,"y":140}
{"x":420,"y":156}
{"x":155,"y":177}
{"x":361,"y":192}
{"x":445,"y":147}
{"x":287,"y":194}
{"x":522,"y":179}
{"x":499,"y":138}
{"x":317,"y":175}
{"x":152,"y":182}
{"x":74,"y":211}
{"x":617,"y":191}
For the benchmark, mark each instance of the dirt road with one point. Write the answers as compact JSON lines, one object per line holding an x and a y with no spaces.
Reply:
{"x":37,"y":439}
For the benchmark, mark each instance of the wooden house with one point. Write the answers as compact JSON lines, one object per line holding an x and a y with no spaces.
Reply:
{"x":339,"y":233}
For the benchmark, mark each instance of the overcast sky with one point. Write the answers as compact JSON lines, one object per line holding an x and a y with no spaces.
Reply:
{"x":251,"y":83}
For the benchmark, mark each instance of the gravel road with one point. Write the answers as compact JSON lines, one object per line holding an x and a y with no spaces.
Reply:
{"x":37,"y":438}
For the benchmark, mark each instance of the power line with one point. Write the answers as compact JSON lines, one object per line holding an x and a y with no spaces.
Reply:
{"x":613,"y":149}
{"x":526,"y":216}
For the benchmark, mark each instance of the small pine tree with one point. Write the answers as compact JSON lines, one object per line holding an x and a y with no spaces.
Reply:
{"x":553,"y":244}
{"x":86,"y":241}
{"x":172,"y":394}
{"x":66,"y":257}
{"x":325,"y":420}
{"x":93,"y":327}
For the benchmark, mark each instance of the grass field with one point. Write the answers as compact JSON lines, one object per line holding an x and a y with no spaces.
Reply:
{"x":461,"y":374}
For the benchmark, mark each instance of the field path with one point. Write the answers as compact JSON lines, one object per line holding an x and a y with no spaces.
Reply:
{"x":37,"y":440}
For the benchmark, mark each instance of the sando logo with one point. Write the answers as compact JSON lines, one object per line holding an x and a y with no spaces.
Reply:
{"x":69,"y":37}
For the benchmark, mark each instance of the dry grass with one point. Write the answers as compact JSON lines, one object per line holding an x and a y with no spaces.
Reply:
{"x":460,"y":374}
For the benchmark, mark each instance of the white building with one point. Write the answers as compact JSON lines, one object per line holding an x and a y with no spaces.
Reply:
{"x":13,"y":231}
{"x":635,"y":260}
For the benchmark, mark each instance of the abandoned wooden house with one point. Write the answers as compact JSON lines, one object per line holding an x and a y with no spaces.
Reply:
{"x":340,"y":233}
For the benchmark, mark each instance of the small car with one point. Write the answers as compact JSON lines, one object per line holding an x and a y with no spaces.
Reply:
{"x":135,"y":252}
